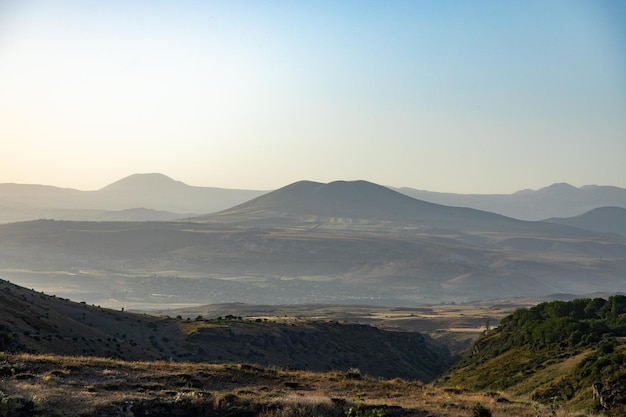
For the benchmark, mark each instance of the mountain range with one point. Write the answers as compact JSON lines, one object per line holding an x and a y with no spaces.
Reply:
{"x":556,"y":200}
{"x":342,"y":242}
{"x":155,"y":196}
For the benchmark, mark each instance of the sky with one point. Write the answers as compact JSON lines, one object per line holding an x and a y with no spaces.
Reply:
{"x":451,"y":96}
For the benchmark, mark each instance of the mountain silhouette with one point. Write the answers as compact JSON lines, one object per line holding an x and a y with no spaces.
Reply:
{"x":160,"y":192}
{"x":354,"y":203}
{"x":145,"y":183}
{"x":155,"y":192}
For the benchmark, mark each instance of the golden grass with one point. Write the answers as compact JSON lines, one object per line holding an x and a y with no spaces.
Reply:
{"x":71,"y":385}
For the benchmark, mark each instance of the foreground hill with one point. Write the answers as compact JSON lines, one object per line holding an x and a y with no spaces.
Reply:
{"x":35,"y":322}
{"x":71,"y":386}
{"x":603,"y":219}
{"x":553,"y":352}
{"x":543,"y":369}
{"x":556,"y":200}
{"x":161,"y":198}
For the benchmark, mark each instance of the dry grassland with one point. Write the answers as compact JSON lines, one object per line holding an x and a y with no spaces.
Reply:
{"x":80,"y":386}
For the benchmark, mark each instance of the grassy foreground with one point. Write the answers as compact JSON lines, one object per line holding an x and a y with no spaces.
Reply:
{"x":49,"y":385}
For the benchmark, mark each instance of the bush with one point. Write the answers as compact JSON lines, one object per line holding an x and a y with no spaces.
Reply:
{"x":479,"y":410}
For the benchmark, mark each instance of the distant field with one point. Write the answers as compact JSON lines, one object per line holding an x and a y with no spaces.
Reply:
{"x":137,"y":265}
{"x":455,"y":325}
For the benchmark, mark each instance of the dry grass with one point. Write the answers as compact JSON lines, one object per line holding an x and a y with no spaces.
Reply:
{"x":72,"y":386}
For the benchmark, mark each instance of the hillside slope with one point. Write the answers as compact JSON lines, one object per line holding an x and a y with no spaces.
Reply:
{"x":602,"y":219}
{"x":71,"y":386}
{"x":36,"y":322}
{"x":553,"y":352}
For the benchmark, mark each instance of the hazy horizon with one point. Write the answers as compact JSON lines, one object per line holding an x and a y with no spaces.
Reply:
{"x":482,"y":97}
{"x":286,"y":184}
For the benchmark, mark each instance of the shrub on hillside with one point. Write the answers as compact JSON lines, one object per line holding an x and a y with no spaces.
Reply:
{"x":560,"y":324}
{"x":479,"y":410}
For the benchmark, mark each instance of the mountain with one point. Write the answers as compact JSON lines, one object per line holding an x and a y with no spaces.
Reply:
{"x":19,"y":202}
{"x":603,"y":219}
{"x":146,"y":183}
{"x":38,"y":323}
{"x":362,"y":204}
{"x":161,"y":197}
{"x":159,"y":192}
{"x":556,"y":200}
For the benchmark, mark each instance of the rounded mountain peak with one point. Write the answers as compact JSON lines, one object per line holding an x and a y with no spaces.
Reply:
{"x":559,"y":187}
{"x":144,"y":182}
{"x":347,"y":199}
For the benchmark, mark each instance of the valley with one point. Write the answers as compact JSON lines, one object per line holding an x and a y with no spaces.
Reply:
{"x":65,"y":359}
{"x":319,"y":297}
{"x":153,"y":264}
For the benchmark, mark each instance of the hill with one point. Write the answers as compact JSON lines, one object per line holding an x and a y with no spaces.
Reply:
{"x":603,"y":219}
{"x":553,"y":352}
{"x":155,"y":192}
{"x":75,"y":386}
{"x":38,"y":323}
{"x":363,"y":205}
{"x":540,"y":373}
{"x":556,"y":200}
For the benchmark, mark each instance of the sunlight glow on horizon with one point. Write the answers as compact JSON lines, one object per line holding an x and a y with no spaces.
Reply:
{"x":486,"y":97}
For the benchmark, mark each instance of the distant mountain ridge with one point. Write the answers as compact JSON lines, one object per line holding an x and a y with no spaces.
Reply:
{"x":160,"y":192}
{"x":175,"y":199}
{"x":161,"y":197}
{"x":556,"y":200}
{"x":144,"y":182}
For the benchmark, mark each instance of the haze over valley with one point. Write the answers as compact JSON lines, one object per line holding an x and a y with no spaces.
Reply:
{"x":345,"y":242}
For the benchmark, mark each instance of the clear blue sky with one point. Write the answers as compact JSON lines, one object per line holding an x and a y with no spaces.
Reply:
{"x":458,"y":96}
